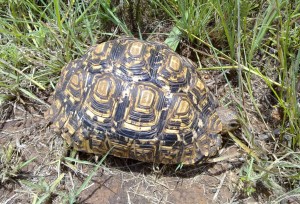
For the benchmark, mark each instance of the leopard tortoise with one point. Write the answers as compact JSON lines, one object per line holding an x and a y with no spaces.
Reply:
{"x":141,"y":100}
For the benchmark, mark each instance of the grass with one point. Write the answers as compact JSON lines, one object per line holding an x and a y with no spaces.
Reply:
{"x":11,"y":165}
{"x":260,"y":65}
{"x":44,"y":192}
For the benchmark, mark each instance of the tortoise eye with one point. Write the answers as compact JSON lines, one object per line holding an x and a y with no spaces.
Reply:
{"x":234,"y":124}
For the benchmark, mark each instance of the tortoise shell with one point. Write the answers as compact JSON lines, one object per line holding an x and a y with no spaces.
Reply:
{"x":139,"y":99}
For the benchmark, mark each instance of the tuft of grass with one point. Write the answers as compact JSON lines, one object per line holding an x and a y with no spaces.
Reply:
{"x":194,"y":19}
{"x":11,"y":164}
{"x":43,"y":191}
{"x":38,"y":39}
{"x":289,"y":58}
{"x":227,"y":13}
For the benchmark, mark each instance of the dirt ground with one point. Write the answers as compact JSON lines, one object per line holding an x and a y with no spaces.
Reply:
{"x":118,"y":180}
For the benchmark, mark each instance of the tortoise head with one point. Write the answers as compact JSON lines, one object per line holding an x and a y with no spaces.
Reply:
{"x":229,"y":119}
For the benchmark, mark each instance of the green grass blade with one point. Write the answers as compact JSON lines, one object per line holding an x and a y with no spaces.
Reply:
{"x":92,"y":174}
{"x":57,"y":13}
{"x":269,"y":15}
{"x":23,"y":74}
{"x":26,"y":163}
{"x":78,"y":161}
{"x":56,"y":182}
{"x":32,"y":96}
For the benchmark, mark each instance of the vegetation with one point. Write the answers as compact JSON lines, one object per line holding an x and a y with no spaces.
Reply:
{"x":255,"y":45}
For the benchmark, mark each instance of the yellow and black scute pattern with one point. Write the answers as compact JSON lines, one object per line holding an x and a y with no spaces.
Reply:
{"x":139,"y":98}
